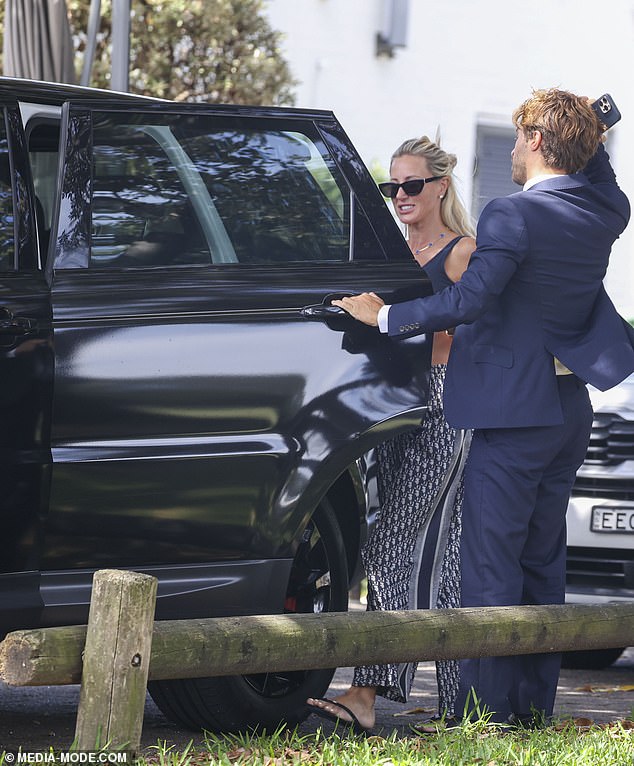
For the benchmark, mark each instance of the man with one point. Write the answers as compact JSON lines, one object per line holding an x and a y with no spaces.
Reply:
{"x":534,"y":324}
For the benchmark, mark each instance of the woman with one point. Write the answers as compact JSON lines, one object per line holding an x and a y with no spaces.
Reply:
{"x":412,"y":555}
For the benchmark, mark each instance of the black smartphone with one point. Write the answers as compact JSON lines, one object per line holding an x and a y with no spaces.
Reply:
{"x":606,"y":110}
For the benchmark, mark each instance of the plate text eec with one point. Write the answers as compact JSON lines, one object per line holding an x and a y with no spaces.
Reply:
{"x":612,"y":519}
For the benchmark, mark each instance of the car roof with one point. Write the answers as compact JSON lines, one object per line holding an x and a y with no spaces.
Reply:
{"x":55,"y":93}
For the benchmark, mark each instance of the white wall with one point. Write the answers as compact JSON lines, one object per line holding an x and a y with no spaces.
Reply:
{"x":465,"y":62}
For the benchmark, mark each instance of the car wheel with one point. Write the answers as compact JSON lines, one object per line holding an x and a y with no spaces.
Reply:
{"x":591,"y":659}
{"x":318,"y":583}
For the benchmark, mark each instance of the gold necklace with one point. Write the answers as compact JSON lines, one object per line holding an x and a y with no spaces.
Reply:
{"x":429,"y":244}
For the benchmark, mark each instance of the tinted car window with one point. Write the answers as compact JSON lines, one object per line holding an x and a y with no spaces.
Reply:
{"x":43,"y":143}
{"x":186,"y":191}
{"x":7,"y":250}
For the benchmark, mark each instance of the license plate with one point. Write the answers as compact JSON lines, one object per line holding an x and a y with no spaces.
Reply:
{"x":612,"y":519}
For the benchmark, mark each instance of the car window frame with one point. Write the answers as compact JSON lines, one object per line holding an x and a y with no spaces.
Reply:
{"x":75,"y":127}
{"x":26,"y":252}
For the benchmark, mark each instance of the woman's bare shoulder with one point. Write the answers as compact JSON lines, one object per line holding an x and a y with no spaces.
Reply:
{"x":465,"y":247}
{"x":458,"y":258}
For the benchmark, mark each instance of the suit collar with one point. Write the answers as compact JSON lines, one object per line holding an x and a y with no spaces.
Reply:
{"x":570,"y":181}
{"x":536,"y":179}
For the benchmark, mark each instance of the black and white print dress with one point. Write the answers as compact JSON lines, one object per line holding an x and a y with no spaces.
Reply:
{"x":412,"y":556}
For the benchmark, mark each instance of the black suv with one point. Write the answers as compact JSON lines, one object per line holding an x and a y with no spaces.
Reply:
{"x":178,"y":395}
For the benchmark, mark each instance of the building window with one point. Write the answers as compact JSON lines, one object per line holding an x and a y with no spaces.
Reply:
{"x":393,"y":33}
{"x":492,"y":176}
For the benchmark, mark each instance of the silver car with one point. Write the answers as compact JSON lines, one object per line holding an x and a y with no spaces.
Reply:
{"x":600,"y":565}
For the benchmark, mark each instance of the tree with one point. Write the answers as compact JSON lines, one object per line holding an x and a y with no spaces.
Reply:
{"x":221,"y":51}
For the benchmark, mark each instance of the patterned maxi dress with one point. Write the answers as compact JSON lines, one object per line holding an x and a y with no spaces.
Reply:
{"x":412,"y":556}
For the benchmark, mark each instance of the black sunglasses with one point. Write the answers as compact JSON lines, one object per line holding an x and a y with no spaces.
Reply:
{"x":411,"y":188}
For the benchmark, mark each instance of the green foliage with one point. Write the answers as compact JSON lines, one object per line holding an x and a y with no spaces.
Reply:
{"x":378,"y":171}
{"x":477,"y":743}
{"x":220,"y":51}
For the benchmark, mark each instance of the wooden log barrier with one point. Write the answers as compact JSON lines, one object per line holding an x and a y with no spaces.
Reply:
{"x":116,"y":661}
{"x":235,"y":645}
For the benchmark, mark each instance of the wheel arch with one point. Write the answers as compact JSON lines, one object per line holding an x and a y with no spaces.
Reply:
{"x":350,"y":503}
{"x":345,"y":478}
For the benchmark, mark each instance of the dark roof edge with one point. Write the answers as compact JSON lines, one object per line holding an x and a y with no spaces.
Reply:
{"x":55,"y":93}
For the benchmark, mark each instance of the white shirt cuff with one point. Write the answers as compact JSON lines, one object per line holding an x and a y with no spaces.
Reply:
{"x":382,"y":318}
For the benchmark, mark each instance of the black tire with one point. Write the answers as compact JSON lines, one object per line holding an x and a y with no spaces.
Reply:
{"x":318,"y":583}
{"x":591,"y":659}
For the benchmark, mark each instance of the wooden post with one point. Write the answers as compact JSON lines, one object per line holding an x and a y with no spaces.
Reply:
{"x":269,"y":643}
{"x":116,"y":661}
{"x":43,"y":656}
{"x":220,"y":646}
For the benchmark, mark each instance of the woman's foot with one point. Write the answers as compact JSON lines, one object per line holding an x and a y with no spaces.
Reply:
{"x":354,"y":708}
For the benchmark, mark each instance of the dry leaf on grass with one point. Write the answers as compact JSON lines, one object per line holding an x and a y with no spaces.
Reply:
{"x":413,"y":711}
{"x":585,"y":724}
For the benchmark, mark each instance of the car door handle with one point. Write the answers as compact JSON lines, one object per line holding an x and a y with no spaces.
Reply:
{"x":325,"y":309}
{"x":13,"y":326}
{"x":320,"y":311}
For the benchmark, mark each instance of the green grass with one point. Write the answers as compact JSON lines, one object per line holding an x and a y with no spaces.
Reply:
{"x":471,"y":745}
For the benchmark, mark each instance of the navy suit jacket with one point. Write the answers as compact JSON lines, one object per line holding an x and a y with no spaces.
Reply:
{"x":533,"y":290}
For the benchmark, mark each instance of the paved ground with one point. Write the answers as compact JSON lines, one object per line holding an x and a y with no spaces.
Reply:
{"x":42,"y":717}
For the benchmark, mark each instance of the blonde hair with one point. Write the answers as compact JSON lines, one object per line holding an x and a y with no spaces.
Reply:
{"x":452,"y":211}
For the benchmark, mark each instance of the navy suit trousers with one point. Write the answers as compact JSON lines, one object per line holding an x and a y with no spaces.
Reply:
{"x":517,"y":485}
